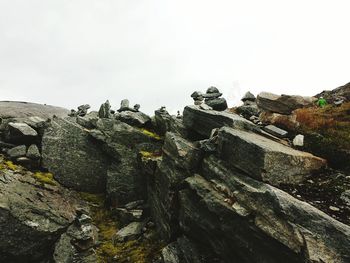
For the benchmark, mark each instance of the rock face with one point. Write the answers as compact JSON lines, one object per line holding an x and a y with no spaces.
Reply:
{"x":331,"y":96}
{"x":203,"y":122}
{"x":13,"y":109}
{"x":165,"y":122}
{"x":283,"y":104}
{"x":32,"y":216}
{"x":264,"y":159}
{"x":123,"y":143}
{"x":75,"y":159}
{"x":273,"y":213}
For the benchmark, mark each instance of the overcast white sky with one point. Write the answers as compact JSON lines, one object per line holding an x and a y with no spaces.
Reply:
{"x":157,"y":52}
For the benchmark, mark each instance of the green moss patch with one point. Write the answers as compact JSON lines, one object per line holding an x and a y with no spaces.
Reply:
{"x":45,"y":178}
{"x":151,"y":134}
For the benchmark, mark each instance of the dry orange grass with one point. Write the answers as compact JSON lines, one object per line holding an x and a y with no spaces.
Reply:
{"x":332,"y":122}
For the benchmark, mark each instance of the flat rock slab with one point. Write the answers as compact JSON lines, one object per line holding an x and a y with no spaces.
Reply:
{"x":16,"y":109}
{"x":264,"y":159}
{"x":204,"y":121}
{"x":22,"y":129}
{"x":283,"y":104}
{"x":74,"y":159}
{"x":272,"y":129}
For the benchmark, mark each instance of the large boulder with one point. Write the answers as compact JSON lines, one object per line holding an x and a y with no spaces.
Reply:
{"x":283,"y":104}
{"x":76,"y":160}
{"x":264,"y":159}
{"x":33,"y":214}
{"x":239,"y":217}
{"x":204,"y":121}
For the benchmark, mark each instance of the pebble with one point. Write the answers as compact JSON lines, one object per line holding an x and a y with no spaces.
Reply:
{"x":334,"y":208}
{"x":299,"y":196}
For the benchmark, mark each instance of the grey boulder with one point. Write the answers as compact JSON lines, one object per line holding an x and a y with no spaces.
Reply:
{"x":264,"y":159}
{"x":75,"y":160}
{"x":18,"y":151}
{"x":33,"y":152}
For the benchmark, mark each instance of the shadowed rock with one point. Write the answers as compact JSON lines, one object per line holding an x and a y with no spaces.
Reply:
{"x":203,"y":121}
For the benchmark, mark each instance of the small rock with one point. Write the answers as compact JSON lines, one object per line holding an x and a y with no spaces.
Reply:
{"x":130,"y":232}
{"x":83,"y":110}
{"x":346,"y":197}
{"x":248,"y":97}
{"x":218,"y":104}
{"x":276,"y":131}
{"x":33,"y":152}
{"x":23,"y":161}
{"x":134,"y":204}
{"x":84,"y":219}
{"x":204,"y":106}
{"x":334,"y":208}
{"x":18,"y":151}
{"x":298,"y":140}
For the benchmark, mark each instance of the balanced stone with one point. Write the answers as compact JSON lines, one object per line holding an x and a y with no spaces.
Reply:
{"x":104,"y":111}
{"x":137,"y":107}
{"x":124,"y":105}
{"x":83,"y":110}
{"x":212,"y":93}
{"x":248,"y":97}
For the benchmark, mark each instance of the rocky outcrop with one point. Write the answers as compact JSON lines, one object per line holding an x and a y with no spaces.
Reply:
{"x":204,"y":121}
{"x":75,"y":159}
{"x":307,"y":232}
{"x":342,"y":92}
{"x":33,"y":214}
{"x":283,"y":104}
{"x":264,"y":159}
{"x":13,"y":109}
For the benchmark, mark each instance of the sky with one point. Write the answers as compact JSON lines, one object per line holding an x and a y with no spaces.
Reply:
{"x":157,"y":52}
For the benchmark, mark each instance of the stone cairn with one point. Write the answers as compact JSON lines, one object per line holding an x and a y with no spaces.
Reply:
{"x":211,"y":98}
{"x":105,"y":110}
{"x":82,"y":111}
{"x":125,"y":106}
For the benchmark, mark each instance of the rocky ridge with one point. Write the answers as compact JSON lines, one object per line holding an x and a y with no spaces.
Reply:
{"x":212,"y":185}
